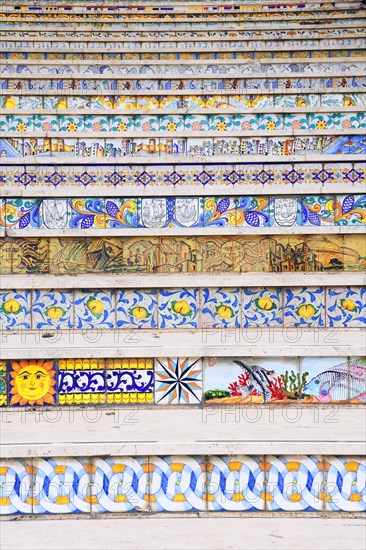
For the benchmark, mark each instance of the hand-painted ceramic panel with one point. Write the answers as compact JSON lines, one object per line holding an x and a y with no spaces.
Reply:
{"x":232,"y":483}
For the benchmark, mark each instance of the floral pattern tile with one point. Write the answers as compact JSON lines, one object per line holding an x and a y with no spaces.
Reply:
{"x":346,"y":306}
{"x":52,"y":308}
{"x":137,"y":309}
{"x":178,"y":308}
{"x":304,"y":307}
{"x":262,"y":307}
{"x":15,"y":309}
{"x":94,"y":309}
{"x":220,"y":307}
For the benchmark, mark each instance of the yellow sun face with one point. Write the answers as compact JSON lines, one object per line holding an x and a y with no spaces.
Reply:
{"x":32,"y":382}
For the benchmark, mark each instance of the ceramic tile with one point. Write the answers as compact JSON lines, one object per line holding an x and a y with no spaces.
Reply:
{"x":354,"y":248}
{"x":351,"y":210}
{"x":53,"y":308}
{"x":345,"y":484}
{"x":32,"y":382}
{"x":21,"y":214}
{"x":30,"y":255}
{"x":346,"y":306}
{"x":94,"y":308}
{"x":15,"y":309}
{"x":220,"y":307}
{"x":304,"y":307}
{"x":81,"y":382}
{"x":130,"y":381}
{"x":328,"y":380}
{"x":67,"y":256}
{"x":119,"y":484}
{"x":253,"y":380}
{"x":62,"y":485}
{"x":141,"y":255}
{"x":54,"y":213}
{"x":235,"y":483}
{"x":178,"y":308}
{"x":3,"y":384}
{"x":178,"y":255}
{"x":318,"y":210}
{"x":16,"y":486}
{"x":137,"y":309}
{"x":262,"y":307}
{"x":177,"y":483}
{"x":178,"y":381}
{"x":220,"y":212}
{"x":294,"y":483}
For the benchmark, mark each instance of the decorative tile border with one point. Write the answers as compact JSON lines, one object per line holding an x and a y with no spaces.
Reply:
{"x":231,"y":483}
{"x":176,"y":175}
{"x":208,"y":254}
{"x":182,"y":123}
{"x":194,"y":212}
{"x":183,"y":308}
{"x":170,"y":381}
{"x":165,"y":147}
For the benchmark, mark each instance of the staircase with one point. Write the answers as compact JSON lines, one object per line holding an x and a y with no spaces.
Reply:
{"x":183,"y":254}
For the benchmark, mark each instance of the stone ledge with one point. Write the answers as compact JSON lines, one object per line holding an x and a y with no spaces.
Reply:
{"x":178,"y":280}
{"x":127,"y":431}
{"x":210,"y":342}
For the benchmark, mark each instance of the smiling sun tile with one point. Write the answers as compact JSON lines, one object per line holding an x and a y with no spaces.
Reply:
{"x":32,"y":382}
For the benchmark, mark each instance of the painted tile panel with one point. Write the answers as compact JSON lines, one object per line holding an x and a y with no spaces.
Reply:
{"x":15,"y":309}
{"x":345,"y":484}
{"x":346,"y":307}
{"x":16,"y":492}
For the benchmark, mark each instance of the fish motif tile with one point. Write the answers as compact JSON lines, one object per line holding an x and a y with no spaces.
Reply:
{"x":15,"y":309}
{"x":220,"y":307}
{"x":294,"y":483}
{"x":53,"y":308}
{"x":262,"y":307}
{"x":235,"y":483}
{"x":178,"y":381}
{"x":119,"y":484}
{"x":177,"y":483}
{"x":328,"y":379}
{"x":346,"y":306}
{"x":137,"y":309}
{"x":304,"y":307}
{"x":94,"y":309}
{"x":62,"y":485}
{"x":178,"y":308}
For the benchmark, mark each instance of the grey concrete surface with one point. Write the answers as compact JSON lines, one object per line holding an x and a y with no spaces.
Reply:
{"x":249,"y":533}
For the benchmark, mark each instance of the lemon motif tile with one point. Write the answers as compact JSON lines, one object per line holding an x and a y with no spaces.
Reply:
{"x":178,"y":308}
{"x":94,"y":309}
